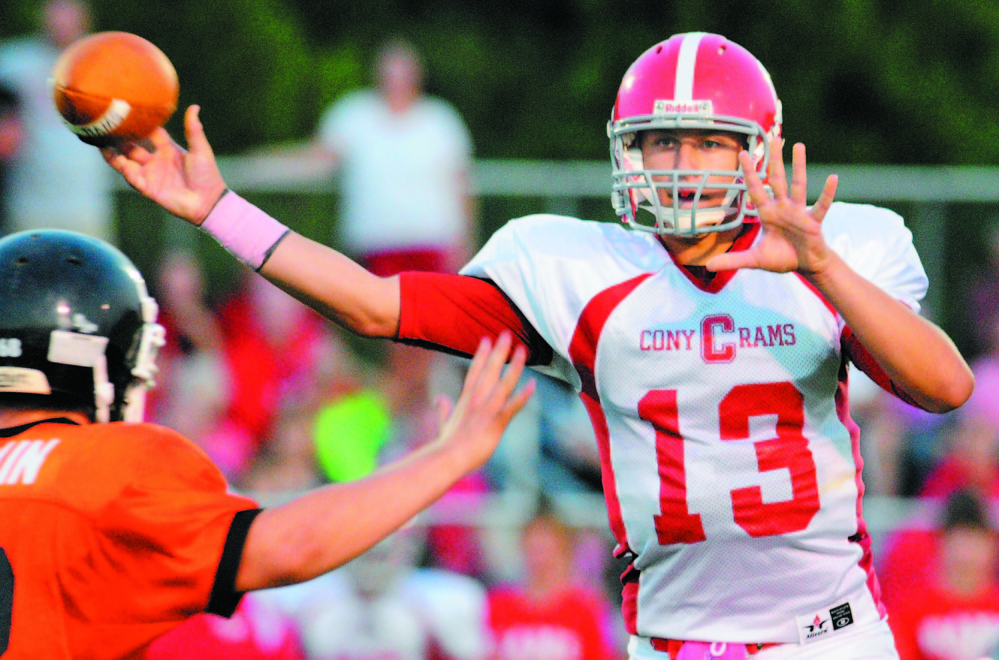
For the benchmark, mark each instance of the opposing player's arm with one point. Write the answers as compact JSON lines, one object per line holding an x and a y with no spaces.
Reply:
{"x":917,"y":356}
{"x":323,"y":529}
{"x":188,"y":184}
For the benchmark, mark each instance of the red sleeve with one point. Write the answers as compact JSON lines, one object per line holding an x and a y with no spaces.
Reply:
{"x":451,"y":313}
{"x":866,"y":363}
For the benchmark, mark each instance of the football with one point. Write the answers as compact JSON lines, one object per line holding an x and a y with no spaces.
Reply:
{"x":114,"y":87}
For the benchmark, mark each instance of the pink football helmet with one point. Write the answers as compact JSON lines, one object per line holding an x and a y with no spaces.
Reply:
{"x":690,"y":81}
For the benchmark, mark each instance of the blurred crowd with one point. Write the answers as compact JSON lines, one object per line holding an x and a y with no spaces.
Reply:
{"x":282,"y":402}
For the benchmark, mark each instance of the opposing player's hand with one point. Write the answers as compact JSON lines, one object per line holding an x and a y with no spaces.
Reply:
{"x":488,"y":402}
{"x":792,"y":231}
{"x":185,"y":183}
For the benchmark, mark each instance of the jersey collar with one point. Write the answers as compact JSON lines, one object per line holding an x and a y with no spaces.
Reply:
{"x":12,"y":431}
{"x":750,"y":230}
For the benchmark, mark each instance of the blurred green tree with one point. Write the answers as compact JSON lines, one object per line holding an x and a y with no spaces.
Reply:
{"x":861,"y":80}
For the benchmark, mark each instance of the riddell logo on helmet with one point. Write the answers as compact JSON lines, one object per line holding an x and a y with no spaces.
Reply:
{"x":663,"y":107}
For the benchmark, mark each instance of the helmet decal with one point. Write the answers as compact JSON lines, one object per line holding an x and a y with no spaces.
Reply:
{"x":683,"y":88}
{"x":670,"y":107}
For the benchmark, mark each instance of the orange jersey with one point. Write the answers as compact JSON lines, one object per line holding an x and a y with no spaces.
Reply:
{"x":111,"y":535}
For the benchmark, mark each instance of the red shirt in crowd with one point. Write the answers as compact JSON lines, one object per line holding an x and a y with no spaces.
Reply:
{"x":937,"y":625}
{"x":570,"y":625}
{"x":254,"y":632}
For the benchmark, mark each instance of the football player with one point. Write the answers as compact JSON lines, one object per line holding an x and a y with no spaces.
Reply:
{"x":710,"y":342}
{"x":113,"y":531}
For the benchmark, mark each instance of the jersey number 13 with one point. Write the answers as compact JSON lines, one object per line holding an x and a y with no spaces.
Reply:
{"x":676,"y":524}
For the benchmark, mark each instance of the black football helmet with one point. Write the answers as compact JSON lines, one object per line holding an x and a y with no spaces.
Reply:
{"x":75,"y":319}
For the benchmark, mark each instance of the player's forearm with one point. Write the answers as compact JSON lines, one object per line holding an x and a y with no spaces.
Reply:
{"x":916,"y":354}
{"x":335,"y":286}
{"x":330,"y":526}
{"x":317,"y":275}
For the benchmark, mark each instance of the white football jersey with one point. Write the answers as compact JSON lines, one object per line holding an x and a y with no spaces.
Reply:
{"x":731,"y":467}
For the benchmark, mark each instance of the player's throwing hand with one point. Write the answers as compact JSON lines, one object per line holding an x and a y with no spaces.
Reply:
{"x":792,"y":231}
{"x":185,"y":183}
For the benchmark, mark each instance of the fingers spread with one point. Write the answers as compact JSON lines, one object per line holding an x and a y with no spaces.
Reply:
{"x":139,"y":153}
{"x":513,"y":371}
{"x":825,"y":199}
{"x":506,"y":401}
{"x":195,"y":131}
{"x":519,"y":399}
{"x":757,"y":192}
{"x":494,"y":362}
{"x":799,"y":176}
{"x":160,"y":139}
{"x":131,"y":171}
{"x":778,"y":179}
{"x":478,"y":363}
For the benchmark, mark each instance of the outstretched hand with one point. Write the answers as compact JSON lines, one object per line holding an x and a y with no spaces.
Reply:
{"x":185,"y":183}
{"x":792,"y":232}
{"x":487,"y":402}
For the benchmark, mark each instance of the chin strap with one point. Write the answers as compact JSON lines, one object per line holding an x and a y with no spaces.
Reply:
{"x":134,"y":406}
{"x":153,"y":338}
{"x":103,"y":390}
{"x":695,"y":220}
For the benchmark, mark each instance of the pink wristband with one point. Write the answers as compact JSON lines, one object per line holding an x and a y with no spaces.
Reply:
{"x":245,"y":231}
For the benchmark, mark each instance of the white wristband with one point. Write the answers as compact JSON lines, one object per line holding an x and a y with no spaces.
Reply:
{"x":245,"y":231}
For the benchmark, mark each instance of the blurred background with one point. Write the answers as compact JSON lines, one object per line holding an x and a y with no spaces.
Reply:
{"x":862,"y":82}
{"x":900,"y":99}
